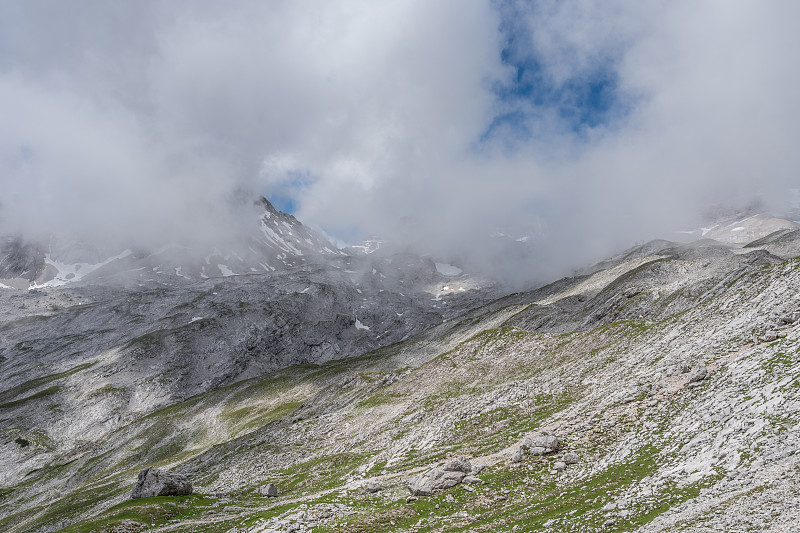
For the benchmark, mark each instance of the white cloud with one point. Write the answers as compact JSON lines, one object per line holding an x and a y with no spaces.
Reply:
{"x":134,"y":117}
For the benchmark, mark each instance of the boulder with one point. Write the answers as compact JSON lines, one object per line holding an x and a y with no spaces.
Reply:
{"x":269,"y":490}
{"x":769,"y":336}
{"x":541,"y":444}
{"x":442,"y":477}
{"x":571,"y":458}
{"x":459,"y":464}
{"x":370,"y":487}
{"x":698,"y":374}
{"x":517,"y":455}
{"x":155,"y":482}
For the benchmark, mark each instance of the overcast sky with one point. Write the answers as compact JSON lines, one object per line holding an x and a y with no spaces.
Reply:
{"x":584,"y":126}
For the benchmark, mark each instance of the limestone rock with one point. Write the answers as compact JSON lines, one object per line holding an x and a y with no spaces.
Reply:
{"x":269,"y":490}
{"x":459,"y":464}
{"x":698,"y":374}
{"x":769,"y":336}
{"x":370,"y":487}
{"x":442,"y":477}
{"x":541,"y":444}
{"x":155,"y":482}
{"x":571,"y":458}
{"x":517,"y":455}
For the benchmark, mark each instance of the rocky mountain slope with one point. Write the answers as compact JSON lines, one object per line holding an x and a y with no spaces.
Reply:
{"x":658,"y":391}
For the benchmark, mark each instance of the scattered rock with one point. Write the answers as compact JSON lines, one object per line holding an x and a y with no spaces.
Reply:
{"x":559,"y":465}
{"x":471,"y":480}
{"x":155,"y":482}
{"x":269,"y":490}
{"x":442,"y":477}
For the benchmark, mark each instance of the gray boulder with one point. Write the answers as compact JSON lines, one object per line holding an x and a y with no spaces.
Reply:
{"x":769,"y":336}
{"x":442,"y":477}
{"x":698,"y":374}
{"x":541,"y":444}
{"x":155,"y":482}
{"x":459,"y":464}
{"x":269,"y":490}
{"x":370,"y":487}
{"x":571,"y":458}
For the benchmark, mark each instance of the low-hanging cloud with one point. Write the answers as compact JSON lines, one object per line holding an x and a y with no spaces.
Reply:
{"x":578,"y":126}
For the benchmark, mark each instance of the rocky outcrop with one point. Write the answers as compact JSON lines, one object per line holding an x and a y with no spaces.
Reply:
{"x":540,"y":444}
{"x":155,"y":482}
{"x":442,"y":477}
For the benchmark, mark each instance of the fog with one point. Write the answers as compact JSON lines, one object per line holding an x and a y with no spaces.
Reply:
{"x":575,"y":127}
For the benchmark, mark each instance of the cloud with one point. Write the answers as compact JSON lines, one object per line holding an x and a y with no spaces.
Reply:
{"x":582,"y":126}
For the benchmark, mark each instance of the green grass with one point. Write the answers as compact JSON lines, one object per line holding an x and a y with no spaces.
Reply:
{"x":22,"y":388}
{"x":157,"y":511}
{"x":41,"y":394}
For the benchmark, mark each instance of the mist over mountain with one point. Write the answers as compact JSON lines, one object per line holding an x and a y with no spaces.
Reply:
{"x":357,"y":266}
{"x":432,"y":125}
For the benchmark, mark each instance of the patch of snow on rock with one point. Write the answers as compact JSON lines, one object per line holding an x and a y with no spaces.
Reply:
{"x":448,"y":270}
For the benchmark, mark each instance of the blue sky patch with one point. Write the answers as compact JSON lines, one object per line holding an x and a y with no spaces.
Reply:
{"x":589,"y":98}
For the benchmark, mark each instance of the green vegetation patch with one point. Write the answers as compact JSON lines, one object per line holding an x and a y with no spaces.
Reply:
{"x":22,"y":388}
{"x":252,"y":417}
{"x":143,"y":513}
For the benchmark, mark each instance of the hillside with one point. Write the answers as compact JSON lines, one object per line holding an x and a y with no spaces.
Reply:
{"x":668,"y":374}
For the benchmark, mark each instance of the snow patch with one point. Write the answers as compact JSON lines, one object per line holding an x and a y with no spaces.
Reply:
{"x":196,"y":318}
{"x":448,"y":270}
{"x":69,"y":273}
{"x":225,"y":270}
{"x":359,"y":325}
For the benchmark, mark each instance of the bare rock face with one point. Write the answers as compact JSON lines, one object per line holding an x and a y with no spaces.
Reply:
{"x":155,"y":482}
{"x":442,"y":477}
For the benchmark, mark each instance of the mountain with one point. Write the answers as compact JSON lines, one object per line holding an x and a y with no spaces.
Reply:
{"x":654,"y":391}
{"x":155,"y":328}
{"x":275,"y":241}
